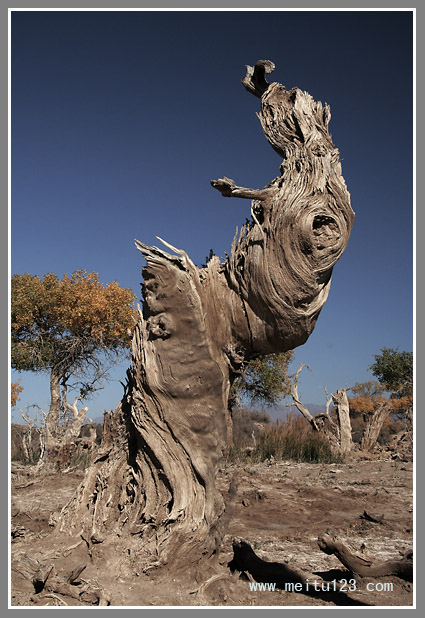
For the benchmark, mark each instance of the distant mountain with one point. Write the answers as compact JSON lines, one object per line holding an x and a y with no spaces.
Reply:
{"x":97,"y":420}
{"x":315,"y":408}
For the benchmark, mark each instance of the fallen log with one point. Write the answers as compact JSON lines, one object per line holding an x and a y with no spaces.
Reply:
{"x":284,"y":577}
{"x":364,"y":568}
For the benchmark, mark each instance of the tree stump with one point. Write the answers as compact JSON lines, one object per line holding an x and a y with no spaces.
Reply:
{"x":152,"y":487}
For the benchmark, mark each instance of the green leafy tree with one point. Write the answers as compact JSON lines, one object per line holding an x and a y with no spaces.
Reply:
{"x":72,"y":328}
{"x":263,"y":380}
{"x":394,"y":370}
{"x":371,"y":389}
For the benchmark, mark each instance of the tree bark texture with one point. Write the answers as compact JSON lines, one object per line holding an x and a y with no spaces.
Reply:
{"x":155,"y":478}
{"x":284,"y":577}
{"x":373,"y":428}
{"x":356,"y":564}
{"x":342,"y":410}
{"x":52,"y":418}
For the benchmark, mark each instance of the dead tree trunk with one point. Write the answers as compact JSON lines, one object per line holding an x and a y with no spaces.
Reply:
{"x":297,"y":401}
{"x":71,"y":429}
{"x":34,"y":427}
{"x":52,"y":418}
{"x":337,"y":433}
{"x":342,"y":410}
{"x":156,"y":479}
{"x":374,"y":424}
{"x":58,"y":440}
{"x":64,"y":446}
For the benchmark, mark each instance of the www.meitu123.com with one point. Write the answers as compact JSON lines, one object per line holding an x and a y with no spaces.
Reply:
{"x":342,"y":585}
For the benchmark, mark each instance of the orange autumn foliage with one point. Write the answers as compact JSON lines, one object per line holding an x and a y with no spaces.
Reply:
{"x":15,"y":389}
{"x":368,"y":405}
{"x":64,"y":322}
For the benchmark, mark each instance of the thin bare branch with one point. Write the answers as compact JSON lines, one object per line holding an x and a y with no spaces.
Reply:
{"x":328,"y":400}
{"x":297,"y":402}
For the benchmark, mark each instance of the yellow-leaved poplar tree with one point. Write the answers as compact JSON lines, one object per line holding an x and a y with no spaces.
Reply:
{"x":73,"y":328}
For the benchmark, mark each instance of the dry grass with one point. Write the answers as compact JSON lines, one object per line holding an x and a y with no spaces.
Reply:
{"x":291,"y":439}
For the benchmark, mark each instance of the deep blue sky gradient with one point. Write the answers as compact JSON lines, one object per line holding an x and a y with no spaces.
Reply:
{"x":121,"y":119}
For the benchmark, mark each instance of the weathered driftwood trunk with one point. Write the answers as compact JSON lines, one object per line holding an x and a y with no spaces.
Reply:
{"x":360,"y":566}
{"x":374,"y":424}
{"x":155,"y":477}
{"x":337,"y":433}
{"x":342,"y":410}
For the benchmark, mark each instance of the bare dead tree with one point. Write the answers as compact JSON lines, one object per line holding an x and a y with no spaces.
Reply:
{"x":71,"y":428}
{"x":328,"y":401}
{"x":34,"y":428}
{"x":374,"y":422}
{"x":339,"y":433}
{"x":60,"y":443}
{"x":297,"y":401}
{"x":342,"y":411}
{"x":152,"y":485}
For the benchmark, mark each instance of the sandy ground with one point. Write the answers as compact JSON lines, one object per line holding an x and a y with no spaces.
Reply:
{"x":281,"y":509}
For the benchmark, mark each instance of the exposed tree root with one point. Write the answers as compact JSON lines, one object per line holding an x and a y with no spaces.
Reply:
{"x":49,"y":584}
{"x":364,"y":568}
{"x":284,"y":577}
{"x":245,"y":559}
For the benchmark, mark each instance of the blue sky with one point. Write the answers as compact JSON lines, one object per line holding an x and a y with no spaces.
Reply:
{"x":121,"y":119}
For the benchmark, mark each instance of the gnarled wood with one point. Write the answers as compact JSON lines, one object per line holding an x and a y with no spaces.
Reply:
{"x":374,"y":424}
{"x":342,"y":410}
{"x":154,"y":480}
{"x":41,"y":576}
{"x":245,"y":559}
{"x":284,"y":577}
{"x":337,"y":433}
{"x":297,"y":402}
{"x":400,"y":568}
